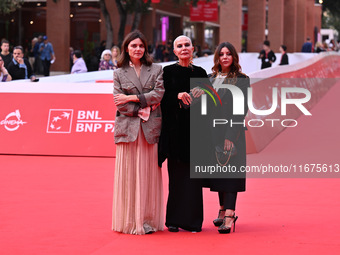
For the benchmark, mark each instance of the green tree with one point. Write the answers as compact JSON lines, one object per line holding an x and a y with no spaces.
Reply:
{"x":331,"y":16}
{"x":125,"y":7}
{"x":330,"y":20}
{"x":333,"y":6}
{"x":108,"y":24}
{"x":7,"y":6}
{"x":136,"y":8}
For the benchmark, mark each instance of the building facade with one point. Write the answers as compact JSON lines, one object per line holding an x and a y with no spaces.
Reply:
{"x":80,"y":24}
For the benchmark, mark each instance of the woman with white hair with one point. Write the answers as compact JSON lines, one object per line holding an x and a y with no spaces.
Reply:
{"x":105,"y":63}
{"x":185,"y":200}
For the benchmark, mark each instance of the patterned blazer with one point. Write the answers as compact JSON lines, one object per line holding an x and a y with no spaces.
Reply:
{"x":149,"y":88}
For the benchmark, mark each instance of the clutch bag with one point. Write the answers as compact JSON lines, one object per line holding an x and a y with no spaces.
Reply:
{"x":223,"y":156}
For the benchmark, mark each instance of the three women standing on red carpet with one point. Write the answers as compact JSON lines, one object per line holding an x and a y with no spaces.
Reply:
{"x":138,"y":90}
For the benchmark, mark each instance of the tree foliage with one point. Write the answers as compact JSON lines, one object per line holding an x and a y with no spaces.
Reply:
{"x":331,"y":17}
{"x":331,"y":21}
{"x":125,"y":7}
{"x":333,"y":6}
{"x":7,"y":6}
{"x":137,"y":8}
{"x":108,"y":24}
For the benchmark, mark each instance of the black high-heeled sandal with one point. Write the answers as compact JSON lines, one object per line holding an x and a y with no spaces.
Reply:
{"x":223,"y":229}
{"x":218,"y":221}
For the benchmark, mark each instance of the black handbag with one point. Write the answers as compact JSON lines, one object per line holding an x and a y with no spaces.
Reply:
{"x":223,"y":156}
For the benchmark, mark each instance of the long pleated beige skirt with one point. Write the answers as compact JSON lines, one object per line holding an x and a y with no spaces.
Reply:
{"x":137,"y":190}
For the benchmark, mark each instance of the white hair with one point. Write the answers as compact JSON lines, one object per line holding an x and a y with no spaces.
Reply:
{"x":180,"y":37}
{"x":105,"y":52}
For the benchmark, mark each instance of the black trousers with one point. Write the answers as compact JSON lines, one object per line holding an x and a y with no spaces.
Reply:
{"x":46,"y":66}
{"x":227,"y":200}
{"x":185,"y":201}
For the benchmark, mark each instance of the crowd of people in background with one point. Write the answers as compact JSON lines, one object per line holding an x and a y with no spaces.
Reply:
{"x":268,"y":57}
{"x":40,"y":55}
{"x":332,"y":45}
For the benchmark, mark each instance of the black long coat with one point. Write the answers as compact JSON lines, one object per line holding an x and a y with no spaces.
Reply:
{"x":185,"y":200}
{"x":233,"y":182}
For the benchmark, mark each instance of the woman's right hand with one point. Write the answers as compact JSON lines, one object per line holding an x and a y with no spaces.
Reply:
{"x":228,"y":144}
{"x":185,"y":97}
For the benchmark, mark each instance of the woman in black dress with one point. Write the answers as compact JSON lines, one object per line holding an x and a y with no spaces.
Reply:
{"x":229,"y":137}
{"x":185,"y":202}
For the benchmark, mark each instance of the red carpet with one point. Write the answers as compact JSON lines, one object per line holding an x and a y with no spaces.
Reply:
{"x":62,"y":205}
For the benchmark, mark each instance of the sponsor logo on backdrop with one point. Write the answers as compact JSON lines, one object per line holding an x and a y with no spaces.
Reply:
{"x":60,"y":121}
{"x":12,"y":121}
{"x":90,"y":121}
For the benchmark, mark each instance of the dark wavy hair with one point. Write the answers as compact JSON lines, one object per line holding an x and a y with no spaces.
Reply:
{"x":124,"y":58}
{"x":235,"y":68}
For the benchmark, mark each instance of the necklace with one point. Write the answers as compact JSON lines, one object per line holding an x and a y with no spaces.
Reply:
{"x":223,"y":74}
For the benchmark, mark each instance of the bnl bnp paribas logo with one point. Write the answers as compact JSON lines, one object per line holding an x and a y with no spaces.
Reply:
{"x":60,"y":121}
{"x":12,"y":121}
{"x":239,"y":104}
